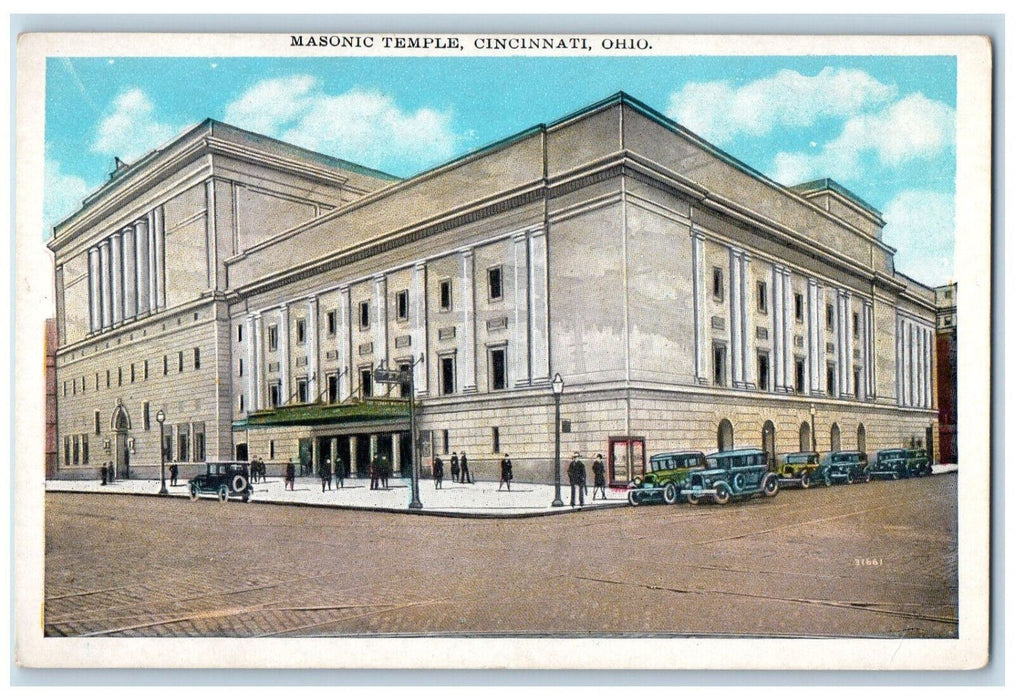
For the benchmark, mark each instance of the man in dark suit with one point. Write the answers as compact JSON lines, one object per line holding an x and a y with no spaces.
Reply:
{"x":576,"y":475}
{"x":466,"y":476}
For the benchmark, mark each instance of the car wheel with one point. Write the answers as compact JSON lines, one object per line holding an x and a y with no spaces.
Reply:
{"x":895,"y":476}
{"x":693,"y":499}
{"x":805,"y":480}
{"x":849,"y":476}
{"x":193,"y":492}
{"x":670,"y":494}
{"x":239,"y":483}
{"x":771,"y":485}
{"x":632,"y":498}
{"x":223,"y":493}
{"x":722,"y":494}
{"x":738,"y":483}
{"x":828,"y":479}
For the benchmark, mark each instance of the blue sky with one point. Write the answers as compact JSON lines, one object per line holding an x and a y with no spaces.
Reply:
{"x":884,"y":127}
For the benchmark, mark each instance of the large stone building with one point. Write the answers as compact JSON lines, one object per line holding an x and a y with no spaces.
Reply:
{"x":248,"y":287}
{"x":946,"y":355}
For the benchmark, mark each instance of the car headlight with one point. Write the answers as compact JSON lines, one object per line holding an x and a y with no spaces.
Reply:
{"x":637,"y":481}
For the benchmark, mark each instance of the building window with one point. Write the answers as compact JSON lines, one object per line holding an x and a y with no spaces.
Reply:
{"x":66,"y":450}
{"x":183,"y":442}
{"x":97,"y":378}
{"x":64,"y":387}
{"x":146,"y":370}
{"x":76,"y":442}
{"x":446,"y":440}
{"x":798,"y":307}
{"x":239,"y":333}
{"x":197,"y":358}
{"x":830,"y":317}
{"x":498,"y":369}
{"x":856,"y":325}
{"x":364,"y":315}
{"x":165,"y":368}
{"x":798,"y":381}
{"x":74,"y":386}
{"x":763,"y":371}
{"x":830,"y":380}
{"x":447,"y":375}
{"x":198,"y":442}
{"x":402,"y":305}
{"x":496,"y":440}
{"x":302,"y":390}
{"x":146,"y":417}
{"x":240,"y":368}
{"x":98,"y":424}
{"x":179,"y":361}
{"x":717,"y":285}
{"x":272,"y":338}
{"x":271,"y":449}
{"x":301,"y":330}
{"x":275,"y":394}
{"x":445,"y":294}
{"x":332,"y":388}
{"x":719,"y":365}
{"x":366,"y":382}
{"x":241,"y":403}
{"x":332,"y":322}
{"x":762,"y":297}
{"x":856,"y":383}
{"x":167,"y":445}
{"x":84,"y":449}
{"x":119,"y":376}
{"x":83,"y":383}
{"x":493,"y":278}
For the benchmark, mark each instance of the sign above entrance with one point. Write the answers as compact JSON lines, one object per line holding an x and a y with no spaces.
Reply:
{"x":390,"y":376}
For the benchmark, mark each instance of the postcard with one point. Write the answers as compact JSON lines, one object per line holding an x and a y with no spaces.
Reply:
{"x":567,"y":351}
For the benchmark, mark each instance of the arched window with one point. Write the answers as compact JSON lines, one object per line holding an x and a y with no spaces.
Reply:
{"x":836,"y":439}
{"x":861,"y":438}
{"x":768,"y":441}
{"x":725,"y":435}
{"x":805,"y":437}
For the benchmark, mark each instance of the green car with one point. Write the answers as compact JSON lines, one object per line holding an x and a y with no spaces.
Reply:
{"x":224,"y":480}
{"x":665,"y":477}
{"x":918,"y":462}
{"x":798,"y":468}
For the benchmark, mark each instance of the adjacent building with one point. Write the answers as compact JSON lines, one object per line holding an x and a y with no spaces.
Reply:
{"x":946,"y":356}
{"x":249,"y":288}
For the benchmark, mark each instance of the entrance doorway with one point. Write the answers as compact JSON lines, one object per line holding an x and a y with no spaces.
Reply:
{"x":121,"y":450}
{"x":768,"y":442}
{"x":626,"y":459}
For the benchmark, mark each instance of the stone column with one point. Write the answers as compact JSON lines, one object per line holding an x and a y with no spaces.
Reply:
{"x":396,"y":454}
{"x":353,"y":466}
{"x":129,"y":274}
{"x":160,"y":259}
{"x":847,"y":334}
{"x":468,"y":368}
{"x":373,"y":446}
{"x":94,"y":290}
{"x":787,"y":329}
{"x":312,"y":349}
{"x":153,"y":265}
{"x":251,"y":365}
{"x":747,"y":358}
{"x":698,"y":284}
{"x":283,"y":353}
{"x":257,"y":400}
{"x":418,"y":314}
{"x":814,"y":347}
{"x":540,"y":311}
{"x":343,"y":339}
{"x":778,"y":337}
{"x":116,"y":260}
{"x":333,"y":451}
{"x":315,"y":448}
{"x":736,"y":314}
{"x":519,"y":354}
{"x":142,"y":266}
{"x":105,"y":263}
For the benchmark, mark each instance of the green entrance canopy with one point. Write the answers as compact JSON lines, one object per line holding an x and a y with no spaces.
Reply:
{"x":371,"y":410}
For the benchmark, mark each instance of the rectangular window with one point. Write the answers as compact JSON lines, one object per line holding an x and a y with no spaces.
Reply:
{"x":197,"y":358}
{"x":84,"y":449}
{"x":239,"y":333}
{"x":798,"y":307}
{"x":402,"y":305}
{"x":274,"y":394}
{"x":829,"y":317}
{"x":119,"y":376}
{"x":198,"y":442}
{"x":366,"y":382}
{"x":241,"y":403}
{"x":98,"y":424}
{"x":364,"y":315}
{"x":445,"y":295}
{"x":719,"y":365}
{"x":302,"y":390}
{"x":272,"y":338}
{"x":74,"y":386}
{"x":240,"y":367}
{"x":64,"y":387}
{"x":66,"y":450}
{"x":83,"y":383}
{"x":332,"y":388}
{"x":107,"y":379}
{"x":96,"y":381}
{"x":498,"y":369}
{"x":717,"y":285}
{"x":798,"y":382}
{"x":448,"y":375}
{"x":271,"y":449}
{"x":131,"y":372}
{"x":179,"y":361}
{"x":496,"y":440}
{"x":493,"y":278}
{"x":165,"y":367}
{"x":332,"y":322}
{"x":830,"y":380}
{"x":763,"y":371}
{"x":762,"y":297}
{"x":145,"y":376}
{"x":167,"y":445}
{"x":404,"y":386}
{"x":76,"y":442}
{"x":856,"y":383}
{"x":856,"y":325}
{"x":301,"y":331}
{"x":447,"y":442}
{"x":183,"y":442}
{"x":146,"y":416}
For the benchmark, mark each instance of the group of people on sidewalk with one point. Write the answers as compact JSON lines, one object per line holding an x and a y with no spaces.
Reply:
{"x":459,"y":470}
{"x":576,"y":475}
{"x":578,"y":478}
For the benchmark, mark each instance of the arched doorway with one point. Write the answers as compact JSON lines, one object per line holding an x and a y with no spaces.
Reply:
{"x":120,"y":425}
{"x":836,"y":438}
{"x":725,"y":435}
{"x":805,"y":437}
{"x":861,"y":438}
{"x":768,"y":442}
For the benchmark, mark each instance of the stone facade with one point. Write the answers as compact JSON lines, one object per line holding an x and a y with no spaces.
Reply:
{"x":674,"y":289}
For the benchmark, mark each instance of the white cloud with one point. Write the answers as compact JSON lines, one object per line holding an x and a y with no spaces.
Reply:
{"x":721,"y":111}
{"x":363,"y":126}
{"x":63,"y":194}
{"x":130,"y":130}
{"x":921,"y":225}
{"x":912,"y":128}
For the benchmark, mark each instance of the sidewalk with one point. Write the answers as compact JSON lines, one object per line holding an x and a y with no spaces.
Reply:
{"x":479,"y":500}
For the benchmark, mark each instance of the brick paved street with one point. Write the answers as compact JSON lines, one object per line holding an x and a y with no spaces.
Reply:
{"x":137,"y":566}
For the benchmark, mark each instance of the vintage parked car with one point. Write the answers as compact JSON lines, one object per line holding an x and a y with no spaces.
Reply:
{"x":890,"y":464}
{"x":223,"y":479}
{"x":844,"y":465}
{"x":665,"y":478}
{"x":732,"y":475}
{"x":798,"y":468}
{"x":919,"y":462}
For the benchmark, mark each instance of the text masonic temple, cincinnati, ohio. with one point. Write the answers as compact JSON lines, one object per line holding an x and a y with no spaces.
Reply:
{"x":248,"y":288}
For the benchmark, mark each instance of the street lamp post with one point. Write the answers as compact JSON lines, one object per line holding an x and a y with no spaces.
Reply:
{"x":161,"y":418}
{"x":414,"y":503}
{"x":558,"y":388}
{"x":814,"y":434}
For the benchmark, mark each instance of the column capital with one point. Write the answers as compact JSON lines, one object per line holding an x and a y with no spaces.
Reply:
{"x":312,"y":300}
{"x":811,"y":282}
{"x":697,"y":233}
{"x":519,"y":236}
{"x":379,"y":277}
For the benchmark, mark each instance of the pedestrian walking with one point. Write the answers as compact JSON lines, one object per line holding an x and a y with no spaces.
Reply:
{"x":455,"y":470}
{"x":290,"y":476}
{"x":325,"y":473}
{"x":506,"y":474}
{"x":576,"y":475}
{"x":385,"y":472}
{"x":105,"y":474}
{"x":174,"y":473}
{"x":375,"y":473}
{"x":598,"y":477}
{"x":339,"y":473}
{"x":438,"y":473}
{"x":466,"y":476}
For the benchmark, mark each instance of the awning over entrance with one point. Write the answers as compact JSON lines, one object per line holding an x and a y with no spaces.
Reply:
{"x":367,"y":411}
